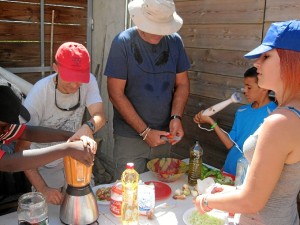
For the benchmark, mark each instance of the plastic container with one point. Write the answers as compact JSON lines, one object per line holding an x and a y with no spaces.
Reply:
{"x":130,"y":207}
{"x":241,"y":170}
{"x":146,"y":198}
{"x":116,"y":199}
{"x":195,"y":164}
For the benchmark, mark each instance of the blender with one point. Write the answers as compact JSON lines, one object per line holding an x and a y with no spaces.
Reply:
{"x":79,"y":205}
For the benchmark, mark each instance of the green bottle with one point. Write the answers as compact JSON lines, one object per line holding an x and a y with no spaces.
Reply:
{"x":195,"y":164}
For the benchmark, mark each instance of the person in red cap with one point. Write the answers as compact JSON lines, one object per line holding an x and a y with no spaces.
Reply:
{"x":11,"y":130}
{"x":59,"y":101}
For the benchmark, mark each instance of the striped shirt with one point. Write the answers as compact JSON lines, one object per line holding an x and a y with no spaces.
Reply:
{"x":13,"y":133}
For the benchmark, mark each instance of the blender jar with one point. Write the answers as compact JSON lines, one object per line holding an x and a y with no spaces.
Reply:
{"x":77,"y":174}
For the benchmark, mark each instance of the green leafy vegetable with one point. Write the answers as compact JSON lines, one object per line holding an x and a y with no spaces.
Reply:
{"x":216,"y":174}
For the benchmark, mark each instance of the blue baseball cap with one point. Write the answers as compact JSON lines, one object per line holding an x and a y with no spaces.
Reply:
{"x":284,"y":35}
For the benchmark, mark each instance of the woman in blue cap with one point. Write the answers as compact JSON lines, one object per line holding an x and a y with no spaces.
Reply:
{"x":269,"y":193}
{"x":11,"y":109}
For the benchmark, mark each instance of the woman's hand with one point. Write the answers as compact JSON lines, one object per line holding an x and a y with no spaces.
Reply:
{"x":217,"y":188}
{"x":198,"y":204}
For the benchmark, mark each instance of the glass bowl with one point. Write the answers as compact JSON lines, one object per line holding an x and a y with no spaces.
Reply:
{"x":167,"y":169}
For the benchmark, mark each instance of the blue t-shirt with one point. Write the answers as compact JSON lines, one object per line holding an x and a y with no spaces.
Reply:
{"x":246,"y":122}
{"x":150,"y":73}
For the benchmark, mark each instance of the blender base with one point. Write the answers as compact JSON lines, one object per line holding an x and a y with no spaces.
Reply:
{"x":79,"y":206}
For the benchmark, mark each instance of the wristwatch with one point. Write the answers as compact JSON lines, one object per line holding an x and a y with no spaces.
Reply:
{"x":90,"y":125}
{"x":175,"y":117}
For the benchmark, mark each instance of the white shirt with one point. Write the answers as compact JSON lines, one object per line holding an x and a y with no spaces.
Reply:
{"x":40,"y":102}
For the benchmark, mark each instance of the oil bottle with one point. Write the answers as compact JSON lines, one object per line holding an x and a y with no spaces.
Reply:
{"x":195,"y":164}
{"x":130,"y":207}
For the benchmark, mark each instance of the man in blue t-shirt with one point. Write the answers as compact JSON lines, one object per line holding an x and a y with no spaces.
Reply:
{"x":247,"y":119}
{"x":147,"y":84}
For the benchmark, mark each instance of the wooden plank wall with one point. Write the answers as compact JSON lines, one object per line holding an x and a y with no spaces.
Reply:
{"x":216,"y":34}
{"x":20,"y":31}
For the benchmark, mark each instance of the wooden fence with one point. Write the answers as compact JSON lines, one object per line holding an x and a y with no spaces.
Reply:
{"x":216,"y":34}
{"x":21,"y":23}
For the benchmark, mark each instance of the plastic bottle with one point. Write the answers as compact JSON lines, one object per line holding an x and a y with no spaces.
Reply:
{"x":195,"y":164}
{"x":130,"y":207}
{"x":241,"y":170}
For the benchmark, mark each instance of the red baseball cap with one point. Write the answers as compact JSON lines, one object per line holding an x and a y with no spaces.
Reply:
{"x":74,"y":62}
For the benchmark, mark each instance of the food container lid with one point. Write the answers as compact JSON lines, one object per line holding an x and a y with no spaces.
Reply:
{"x":117,"y":188}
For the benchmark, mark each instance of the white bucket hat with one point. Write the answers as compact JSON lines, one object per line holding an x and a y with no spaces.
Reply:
{"x":155,"y":16}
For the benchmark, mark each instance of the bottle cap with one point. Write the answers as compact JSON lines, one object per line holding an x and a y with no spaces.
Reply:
{"x":130,"y":165}
{"x":196,"y":146}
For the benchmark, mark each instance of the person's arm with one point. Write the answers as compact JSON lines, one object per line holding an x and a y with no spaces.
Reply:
{"x":181,"y":94}
{"x":276,"y":146}
{"x":116,"y":88}
{"x":85,"y":133}
{"x":40,"y":134}
{"x":97,"y":115}
{"x":44,"y":134}
{"x":34,"y":158}
{"x":95,"y":107}
{"x":223,"y":137}
{"x":52,"y":195}
{"x":199,"y":118}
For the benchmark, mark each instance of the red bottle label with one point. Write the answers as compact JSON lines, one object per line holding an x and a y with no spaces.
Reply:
{"x":115,"y":207}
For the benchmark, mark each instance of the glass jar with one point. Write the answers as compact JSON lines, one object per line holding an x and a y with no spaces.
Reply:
{"x":32,"y":209}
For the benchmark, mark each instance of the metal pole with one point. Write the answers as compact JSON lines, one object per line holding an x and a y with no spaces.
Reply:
{"x":127,"y":17}
{"x":42,"y":39}
{"x":90,"y":26}
{"x":51,"y":42}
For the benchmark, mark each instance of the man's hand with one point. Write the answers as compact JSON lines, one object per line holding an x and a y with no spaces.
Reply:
{"x":89,"y":143}
{"x":86,"y":136}
{"x":153,"y":138}
{"x":176,"y":130}
{"x":52,"y":195}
